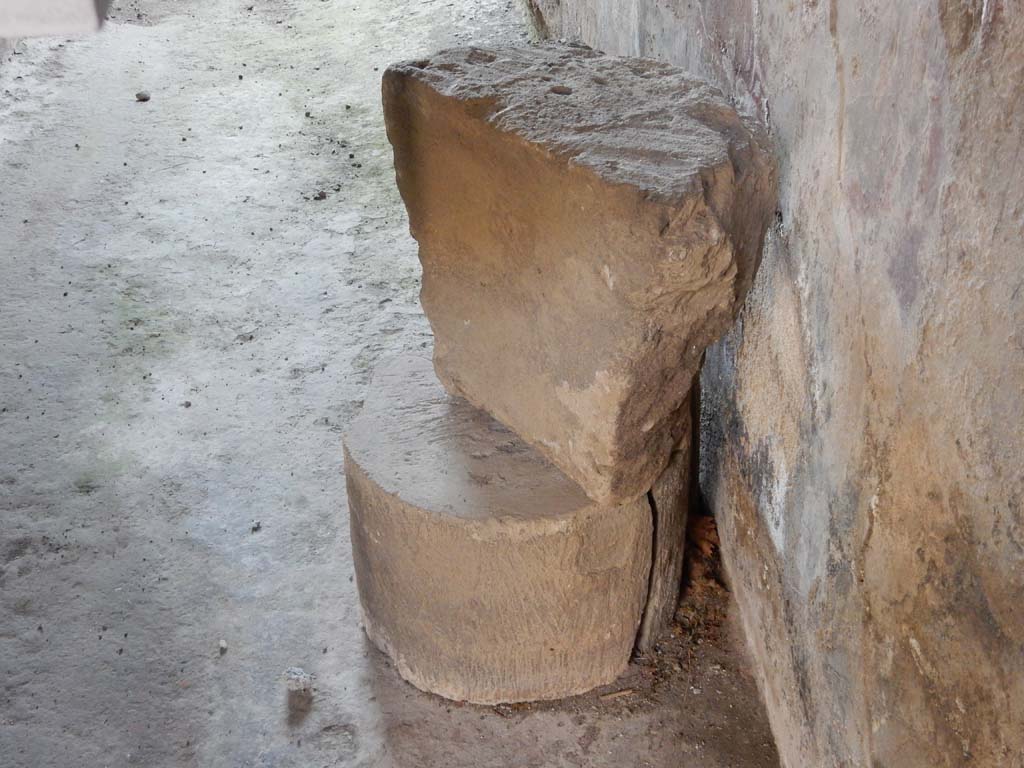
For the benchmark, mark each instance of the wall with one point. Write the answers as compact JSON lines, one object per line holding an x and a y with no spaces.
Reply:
{"x":862,"y":429}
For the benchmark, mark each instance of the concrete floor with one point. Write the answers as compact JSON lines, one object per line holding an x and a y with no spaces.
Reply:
{"x":185,"y":329}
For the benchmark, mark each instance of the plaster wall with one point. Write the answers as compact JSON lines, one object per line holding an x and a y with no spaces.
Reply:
{"x":36,"y":18}
{"x":862,"y":423}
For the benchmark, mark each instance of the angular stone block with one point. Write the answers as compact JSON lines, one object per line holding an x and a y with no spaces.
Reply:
{"x":587,"y":226}
{"x":670,"y":505}
{"x":484,"y":573}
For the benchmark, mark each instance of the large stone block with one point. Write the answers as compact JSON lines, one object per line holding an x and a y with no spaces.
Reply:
{"x":587,"y":226}
{"x":484,"y":573}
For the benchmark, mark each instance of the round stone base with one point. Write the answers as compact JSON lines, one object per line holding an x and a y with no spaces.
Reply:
{"x":484,"y":573}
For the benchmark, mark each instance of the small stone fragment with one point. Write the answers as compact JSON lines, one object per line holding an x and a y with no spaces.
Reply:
{"x":142,"y":96}
{"x":587,"y":226}
{"x":256,"y":527}
{"x":223,"y":647}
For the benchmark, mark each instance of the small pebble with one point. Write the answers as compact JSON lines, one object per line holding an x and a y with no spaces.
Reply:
{"x":223,"y":647}
{"x":142,"y":96}
{"x":257,"y":526}
{"x":298,"y":680}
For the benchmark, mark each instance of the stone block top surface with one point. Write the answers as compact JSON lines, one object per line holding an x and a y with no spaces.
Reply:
{"x":631,"y":121}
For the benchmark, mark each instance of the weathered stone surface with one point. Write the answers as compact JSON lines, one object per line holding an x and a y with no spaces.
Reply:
{"x":484,"y":573}
{"x":670,"y":503}
{"x":862,"y":440}
{"x":587,"y":225}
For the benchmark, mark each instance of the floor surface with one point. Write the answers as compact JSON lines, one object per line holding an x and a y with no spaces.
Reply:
{"x":193,"y":293}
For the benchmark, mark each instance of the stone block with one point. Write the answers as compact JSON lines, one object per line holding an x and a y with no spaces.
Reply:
{"x":484,"y":573}
{"x":587,"y":226}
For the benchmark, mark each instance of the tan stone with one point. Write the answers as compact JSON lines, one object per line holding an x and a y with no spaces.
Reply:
{"x":484,"y":573}
{"x":587,"y":226}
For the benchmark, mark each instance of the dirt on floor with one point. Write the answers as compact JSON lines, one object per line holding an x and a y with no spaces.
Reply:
{"x":195,"y":289}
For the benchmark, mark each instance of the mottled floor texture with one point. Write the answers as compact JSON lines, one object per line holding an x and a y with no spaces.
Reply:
{"x":193,"y":293}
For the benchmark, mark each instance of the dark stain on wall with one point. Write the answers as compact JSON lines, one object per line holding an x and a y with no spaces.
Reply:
{"x":960,"y":20}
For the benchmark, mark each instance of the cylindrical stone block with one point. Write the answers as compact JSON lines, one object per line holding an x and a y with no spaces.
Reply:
{"x":484,"y":573}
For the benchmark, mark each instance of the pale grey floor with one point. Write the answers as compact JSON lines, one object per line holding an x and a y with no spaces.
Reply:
{"x":184,"y":331}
